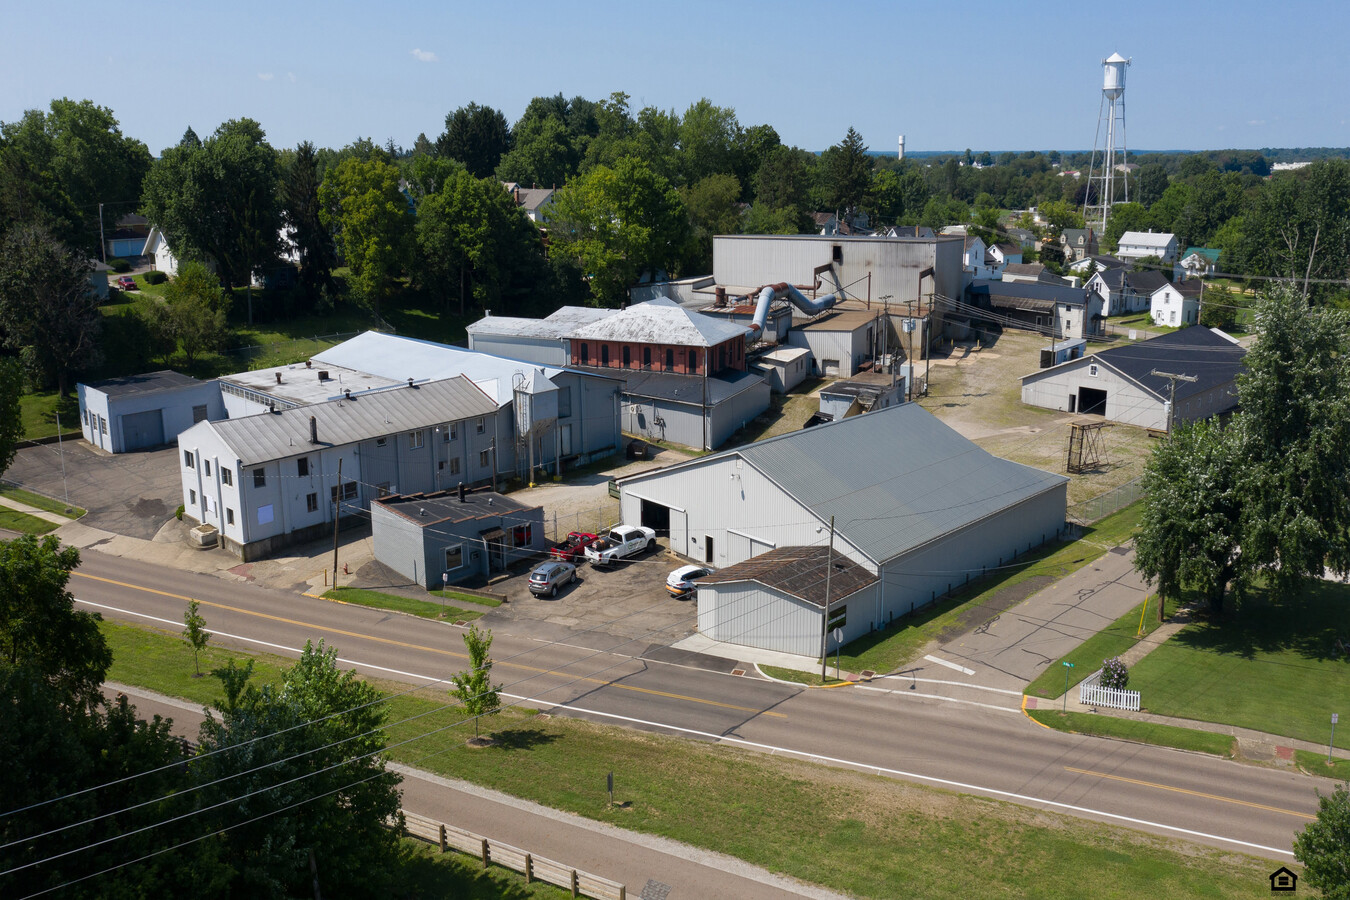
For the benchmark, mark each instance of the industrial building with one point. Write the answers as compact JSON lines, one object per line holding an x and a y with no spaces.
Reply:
{"x":840,"y":341}
{"x":1120,"y":385}
{"x":917,"y":509}
{"x":543,"y":341}
{"x":1058,"y":310}
{"x":270,"y":480}
{"x":137,"y":412}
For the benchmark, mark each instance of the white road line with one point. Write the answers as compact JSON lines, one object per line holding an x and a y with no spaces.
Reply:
{"x":962,"y":684}
{"x":951,"y":665}
{"x":770,"y":748}
{"x":1016,"y":710}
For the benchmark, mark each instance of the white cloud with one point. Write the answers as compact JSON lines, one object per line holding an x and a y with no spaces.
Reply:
{"x":264,"y":76}
{"x":1257,"y":122}
{"x":291,"y":76}
{"x":423,"y":55}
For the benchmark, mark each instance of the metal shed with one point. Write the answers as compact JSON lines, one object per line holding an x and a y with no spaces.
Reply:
{"x":138,"y":412}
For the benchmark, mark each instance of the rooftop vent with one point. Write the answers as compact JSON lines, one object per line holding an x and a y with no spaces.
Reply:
{"x":410,"y":382}
{"x":313,"y":430}
{"x":348,"y":393}
{"x":278,"y":378}
{"x":309,"y":363}
{"x":323,"y":374}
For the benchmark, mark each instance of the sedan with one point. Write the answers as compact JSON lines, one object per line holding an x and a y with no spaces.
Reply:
{"x":127,"y":283}
{"x":546,"y":579}
{"x":681,"y":581}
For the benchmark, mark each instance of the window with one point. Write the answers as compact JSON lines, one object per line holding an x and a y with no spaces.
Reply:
{"x":454,"y":557}
{"x":670,"y":359}
{"x":454,"y":466}
{"x":693,"y":360}
{"x":102,"y":425}
{"x":415,"y":439}
{"x":229,"y":516}
{"x":480,"y":426}
{"x":198,"y":414}
{"x":1174,"y":317}
{"x":259,"y":478}
{"x":226,"y":476}
{"x":1092,"y":370}
{"x":312,"y":502}
{"x":521,"y":534}
{"x":604,"y":354}
{"x":646,"y":357}
{"x":585,"y":355}
{"x":485,"y":458}
{"x":302,"y":466}
{"x":627,"y":356}
{"x":84,"y":413}
{"x":265,"y":515}
{"x":382,"y":489}
{"x":188,"y":460}
{"x":348,"y":491}
{"x":206,"y":466}
{"x":192,"y":498}
{"x":451,"y":432}
{"x":381,"y":442}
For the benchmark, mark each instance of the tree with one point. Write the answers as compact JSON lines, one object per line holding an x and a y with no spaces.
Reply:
{"x":40,"y":628}
{"x":542,"y":154}
{"x":1124,"y":217}
{"x":301,"y":215}
{"x":1059,"y":216}
{"x":708,"y":136}
{"x":11,"y":415}
{"x":1150,"y":182}
{"x":477,"y":136}
{"x":714,"y":208}
{"x":195,"y":633}
{"x":474,"y":688}
{"x":846,"y":170}
{"x":985,"y":225}
{"x":48,"y":310}
{"x":310,"y":756}
{"x":1323,"y":846}
{"x":1217,"y":308}
{"x":196,"y":310}
{"x":1299,"y":226}
{"x":361,"y":200}
{"x":618,"y":223}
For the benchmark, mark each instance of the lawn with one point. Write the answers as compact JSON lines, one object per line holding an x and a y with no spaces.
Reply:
{"x":811,"y":822}
{"x":1269,"y":666}
{"x":886,"y":651}
{"x":424,"y":608}
{"x":14,"y":520}
{"x":41,"y":502}
{"x":39,"y":410}
{"x":1113,"y":640}
{"x":1135,"y":730}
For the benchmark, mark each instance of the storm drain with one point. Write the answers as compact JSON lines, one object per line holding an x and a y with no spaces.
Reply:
{"x":654,"y":890}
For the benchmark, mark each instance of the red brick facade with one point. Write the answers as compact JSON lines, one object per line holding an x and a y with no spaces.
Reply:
{"x":682,"y":360}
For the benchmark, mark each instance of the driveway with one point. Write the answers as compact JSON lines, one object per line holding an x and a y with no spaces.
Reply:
{"x":132,"y":494}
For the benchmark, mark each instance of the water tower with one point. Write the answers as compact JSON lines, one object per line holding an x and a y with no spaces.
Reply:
{"x":902,"y":146}
{"x":1102,"y":177}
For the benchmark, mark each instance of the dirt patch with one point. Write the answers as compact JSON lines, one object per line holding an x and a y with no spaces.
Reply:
{"x":997,"y":604}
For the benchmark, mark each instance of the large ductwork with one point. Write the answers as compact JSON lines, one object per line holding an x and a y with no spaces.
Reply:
{"x":785,"y":291}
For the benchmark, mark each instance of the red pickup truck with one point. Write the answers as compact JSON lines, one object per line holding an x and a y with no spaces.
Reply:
{"x":572,"y":549}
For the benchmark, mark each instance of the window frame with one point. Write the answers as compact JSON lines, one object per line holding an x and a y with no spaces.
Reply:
{"x":459,"y":553}
{"x":260,"y":477}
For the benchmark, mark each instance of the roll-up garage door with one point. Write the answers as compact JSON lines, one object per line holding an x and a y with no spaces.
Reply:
{"x":143,"y":429}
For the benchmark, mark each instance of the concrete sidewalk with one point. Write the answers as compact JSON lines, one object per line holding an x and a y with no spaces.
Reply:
{"x":17,"y":506}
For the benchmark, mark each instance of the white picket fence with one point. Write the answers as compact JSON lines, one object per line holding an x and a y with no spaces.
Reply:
{"x":1092,"y":693}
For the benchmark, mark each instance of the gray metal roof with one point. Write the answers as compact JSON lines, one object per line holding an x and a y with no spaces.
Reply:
{"x":301,"y":385}
{"x":269,"y":436}
{"x":163,"y":380}
{"x":1026,"y":290}
{"x":660,"y":321}
{"x":556,"y":325}
{"x":894,"y":479}
{"x":445,"y":506}
{"x":800,"y":572}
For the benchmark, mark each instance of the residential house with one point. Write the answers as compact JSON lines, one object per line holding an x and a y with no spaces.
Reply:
{"x":127,"y":238}
{"x":976,"y":260}
{"x":1176,"y":304}
{"x":534,"y":200}
{"x":1032,"y":273}
{"x":1004,"y":254}
{"x":1135,"y":245}
{"x":1125,"y":291}
{"x":1078,"y":243}
{"x":1097,"y":263}
{"x":1119,"y":384}
{"x":1022,"y":237}
{"x":156,"y":247}
{"x":1056,"y":310}
{"x":1198,"y":262}
{"x":827,"y":223}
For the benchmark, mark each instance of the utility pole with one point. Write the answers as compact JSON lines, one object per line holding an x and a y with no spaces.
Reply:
{"x":1172,"y":395}
{"x":825,"y":617}
{"x":337,"y":517}
{"x":102,"y":242}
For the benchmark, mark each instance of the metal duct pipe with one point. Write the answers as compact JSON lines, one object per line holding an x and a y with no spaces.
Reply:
{"x":785,"y":291}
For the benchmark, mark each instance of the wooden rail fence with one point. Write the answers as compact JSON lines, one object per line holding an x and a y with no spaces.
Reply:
{"x":534,"y":868}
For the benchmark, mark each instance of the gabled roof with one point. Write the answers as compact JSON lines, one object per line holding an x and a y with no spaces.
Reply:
{"x":1147,"y":281}
{"x":660,"y":321}
{"x":1076,"y":234}
{"x":1008,"y":249}
{"x":556,"y":325}
{"x":894,"y":479}
{"x":533,"y":198}
{"x":268,"y":436}
{"x":1022,"y":290}
{"x":799,"y":572}
{"x":1210,"y":253}
{"x":1157,"y":239}
{"x":1211,"y":356}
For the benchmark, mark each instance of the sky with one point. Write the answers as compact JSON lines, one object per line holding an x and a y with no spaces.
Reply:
{"x":988,"y":76}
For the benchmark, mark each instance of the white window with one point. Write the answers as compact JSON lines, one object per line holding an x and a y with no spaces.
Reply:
{"x":102,"y":425}
{"x":192,"y":498}
{"x":450,"y":432}
{"x":188,"y":460}
{"x":480,"y":426}
{"x":311,"y":502}
{"x":1092,"y":370}
{"x":415,"y":440}
{"x":454,"y":557}
{"x":226,"y":476}
{"x":1173,"y":318}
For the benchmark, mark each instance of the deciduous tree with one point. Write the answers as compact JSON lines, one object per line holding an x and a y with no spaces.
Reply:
{"x":11,"y":415}
{"x":1323,"y":846}
{"x":474,"y":688}
{"x":477,"y":136}
{"x":195,"y":633}
{"x":363,"y":204}
{"x":196,"y":310}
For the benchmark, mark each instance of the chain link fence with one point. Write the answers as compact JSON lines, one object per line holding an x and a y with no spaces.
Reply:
{"x":557,"y":525}
{"x":1103,"y":505}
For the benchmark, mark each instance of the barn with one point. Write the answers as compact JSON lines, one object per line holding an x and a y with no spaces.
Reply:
{"x":917,"y":510}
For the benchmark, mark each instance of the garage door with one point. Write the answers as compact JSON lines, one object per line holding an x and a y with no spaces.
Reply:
{"x":143,"y":429}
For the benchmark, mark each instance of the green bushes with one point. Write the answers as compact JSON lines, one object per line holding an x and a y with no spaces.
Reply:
{"x":119,"y":265}
{"x":154,"y":276}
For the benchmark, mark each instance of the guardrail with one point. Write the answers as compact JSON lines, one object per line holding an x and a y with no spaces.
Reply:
{"x":1092,"y":693}
{"x":534,"y":868}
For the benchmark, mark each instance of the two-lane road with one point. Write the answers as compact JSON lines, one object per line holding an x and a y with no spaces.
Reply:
{"x":985,"y":748}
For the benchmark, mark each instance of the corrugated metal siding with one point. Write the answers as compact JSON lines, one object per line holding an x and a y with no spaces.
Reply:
{"x":752,"y":615}
{"x":537,"y":350}
{"x":1126,"y":402}
{"x":735,"y":412}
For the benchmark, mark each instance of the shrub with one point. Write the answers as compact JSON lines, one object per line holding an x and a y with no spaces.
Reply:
{"x":119,"y":265}
{"x":1115,"y":674}
{"x":179,"y":513}
{"x":154,"y":276}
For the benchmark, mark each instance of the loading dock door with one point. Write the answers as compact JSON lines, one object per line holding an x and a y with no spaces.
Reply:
{"x":141,"y":430}
{"x":1092,"y":401}
{"x":656,"y":517}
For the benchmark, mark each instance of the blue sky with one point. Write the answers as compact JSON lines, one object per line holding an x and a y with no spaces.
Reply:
{"x":947,"y":75}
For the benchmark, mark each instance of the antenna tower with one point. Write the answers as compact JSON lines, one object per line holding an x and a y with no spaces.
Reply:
{"x":1102,"y":180}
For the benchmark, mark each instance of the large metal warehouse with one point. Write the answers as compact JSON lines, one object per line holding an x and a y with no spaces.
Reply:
{"x":1119,"y":384}
{"x":916,"y":507}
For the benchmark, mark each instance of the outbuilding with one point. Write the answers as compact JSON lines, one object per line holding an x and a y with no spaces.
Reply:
{"x":840,"y":341}
{"x":453,"y":537}
{"x":784,"y":368}
{"x":917,"y":508}
{"x":137,"y":412}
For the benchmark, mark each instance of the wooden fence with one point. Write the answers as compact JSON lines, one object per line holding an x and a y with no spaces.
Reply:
{"x":1092,"y":693}
{"x":534,"y":868}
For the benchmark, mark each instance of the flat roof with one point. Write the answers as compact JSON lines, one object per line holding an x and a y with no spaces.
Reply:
{"x":445,"y":506}
{"x":841,"y":320}
{"x":301,"y":384}
{"x":149,"y":382}
{"x":782,"y":355}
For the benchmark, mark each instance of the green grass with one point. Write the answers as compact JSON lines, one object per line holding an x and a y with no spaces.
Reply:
{"x":1113,"y":640}
{"x":811,"y":822}
{"x":38,"y":412}
{"x":1268,"y":666}
{"x":1316,"y":764}
{"x":885,"y":651}
{"x":799,"y":677}
{"x":41,"y":502}
{"x":467,"y":598}
{"x":162,"y":661}
{"x":14,"y":520}
{"x":1135,"y":730}
{"x":380,"y":600}
{"x":423,"y":871}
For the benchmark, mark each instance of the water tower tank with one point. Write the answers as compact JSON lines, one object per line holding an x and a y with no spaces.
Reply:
{"x":1113,"y":85}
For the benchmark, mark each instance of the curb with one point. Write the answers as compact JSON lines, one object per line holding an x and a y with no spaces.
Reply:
{"x":768,"y":677}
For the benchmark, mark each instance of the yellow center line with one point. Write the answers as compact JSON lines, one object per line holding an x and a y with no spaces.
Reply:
{"x":450,"y":653}
{"x":1166,"y":787}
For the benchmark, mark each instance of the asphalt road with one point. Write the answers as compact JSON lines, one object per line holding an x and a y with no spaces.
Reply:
{"x":927,"y":732}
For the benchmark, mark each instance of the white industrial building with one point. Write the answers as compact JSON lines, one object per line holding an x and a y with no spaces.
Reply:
{"x":544,"y":341}
{"x":840,"y":341}
{"x":270,"y":480}
{"x":137,"y":412}
{"x":1120,"y":385}
{"x":918,"y":510}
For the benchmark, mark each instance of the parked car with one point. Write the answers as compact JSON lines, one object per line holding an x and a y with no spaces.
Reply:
{"x":574,"y":547}
{"x":127,"y":283}
{"x":547,"y":578}
{"x":621,"y":542}
{"x":681,"y":581}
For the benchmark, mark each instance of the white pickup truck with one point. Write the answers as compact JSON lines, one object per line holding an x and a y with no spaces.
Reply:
{"x":621,"y":542}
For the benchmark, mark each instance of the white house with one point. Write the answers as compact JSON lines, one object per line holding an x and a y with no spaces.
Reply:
{"x":157,"y":248}
{"x":1198,"y":262}
{"x":1176,"y":304}
{"x":1005,"y":254}
{"x":977,"y":261}
{"x":1139,"y":244}
{"x":1123,"y":291}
